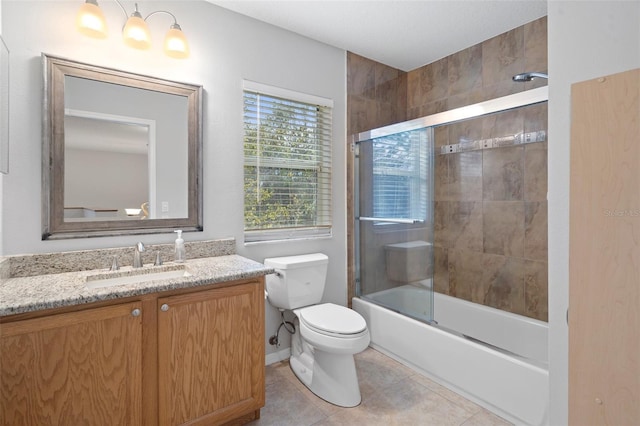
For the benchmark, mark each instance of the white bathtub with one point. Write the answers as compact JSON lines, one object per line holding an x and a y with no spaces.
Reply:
{"x":512,"y":381}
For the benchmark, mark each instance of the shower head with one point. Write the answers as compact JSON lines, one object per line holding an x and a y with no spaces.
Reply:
{"x":528,"y":76}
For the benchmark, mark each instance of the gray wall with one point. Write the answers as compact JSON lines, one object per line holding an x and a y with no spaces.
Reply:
{"x":95,"y":179}
{"x":587,"y":39}
{"x":225,"y":49}
{"x":169,"y":112}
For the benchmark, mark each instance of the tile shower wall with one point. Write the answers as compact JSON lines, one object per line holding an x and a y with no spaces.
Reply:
{"x":490,"y":241}
{"x":376,"y":94}
{"x":490,"y":225}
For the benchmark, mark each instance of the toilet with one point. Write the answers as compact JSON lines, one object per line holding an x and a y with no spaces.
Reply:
{"x":327,"y":336}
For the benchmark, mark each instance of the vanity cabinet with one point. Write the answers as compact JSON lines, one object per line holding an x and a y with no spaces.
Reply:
{"x":73,"y":368}
{"x":211,"y":355}
{"x":188,"y":356}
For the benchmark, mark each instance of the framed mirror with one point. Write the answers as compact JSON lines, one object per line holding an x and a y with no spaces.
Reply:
{"x":121,"y":152}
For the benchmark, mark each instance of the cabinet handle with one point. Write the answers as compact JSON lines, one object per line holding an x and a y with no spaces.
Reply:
{"x":136,"y":312}
{"x":164,"y":307}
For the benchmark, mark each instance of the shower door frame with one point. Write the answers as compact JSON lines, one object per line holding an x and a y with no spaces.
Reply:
{"x":504,"y":103}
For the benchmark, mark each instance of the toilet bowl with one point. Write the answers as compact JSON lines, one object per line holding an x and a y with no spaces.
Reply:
{"x":322,"y":352}
{"x":326,"y":336}
{"x":333,"y":328}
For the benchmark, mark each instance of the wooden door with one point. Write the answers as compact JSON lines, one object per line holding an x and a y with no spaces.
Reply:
{"x":211,"y":355}
{"x":604,"y":261}
{"x":71,"y":369}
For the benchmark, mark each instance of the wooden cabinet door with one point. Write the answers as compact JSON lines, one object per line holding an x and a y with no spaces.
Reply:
{"x":604,"y":258}
{"x":79,"y":368}
{"x":211,"y":355}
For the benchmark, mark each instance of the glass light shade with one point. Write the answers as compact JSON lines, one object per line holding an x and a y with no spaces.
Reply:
{"x":90,"y":21}
{"x":175,"y":43}
{"x":136,"y":33}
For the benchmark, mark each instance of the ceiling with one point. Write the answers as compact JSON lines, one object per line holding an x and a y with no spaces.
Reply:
{"x":404,"y":34}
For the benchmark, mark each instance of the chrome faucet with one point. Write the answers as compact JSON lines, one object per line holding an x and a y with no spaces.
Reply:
{"x":137,"y":256}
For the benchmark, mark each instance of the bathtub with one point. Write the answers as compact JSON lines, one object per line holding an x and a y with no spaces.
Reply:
{"x":494,"y":358}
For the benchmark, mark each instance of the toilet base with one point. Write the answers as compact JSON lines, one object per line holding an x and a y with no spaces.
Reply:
{"x":324,"y":363}
{"x":330,"y":376}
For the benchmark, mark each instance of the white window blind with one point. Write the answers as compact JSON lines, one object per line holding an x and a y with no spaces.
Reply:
{"x":400,"y":170}
{"x":287,"y":165}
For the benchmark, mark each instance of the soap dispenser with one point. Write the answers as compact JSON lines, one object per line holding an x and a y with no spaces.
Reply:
{"x":180,"y":253}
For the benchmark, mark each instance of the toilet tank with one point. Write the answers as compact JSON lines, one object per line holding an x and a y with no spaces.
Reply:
{"x":408,"y":262}
{"x":298,"y":281}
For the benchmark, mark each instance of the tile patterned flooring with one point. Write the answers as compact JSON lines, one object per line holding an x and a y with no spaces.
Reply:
{"x":392,"y":394}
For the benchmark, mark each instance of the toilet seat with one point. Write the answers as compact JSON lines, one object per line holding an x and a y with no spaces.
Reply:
{"x":332,"y":320}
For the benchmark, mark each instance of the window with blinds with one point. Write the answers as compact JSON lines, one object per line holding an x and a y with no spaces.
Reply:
{"x":287,"y":164}
{"x":400,"y":168}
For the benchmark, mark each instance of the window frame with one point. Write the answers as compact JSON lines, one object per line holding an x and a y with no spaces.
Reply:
{"x":324,"y":178}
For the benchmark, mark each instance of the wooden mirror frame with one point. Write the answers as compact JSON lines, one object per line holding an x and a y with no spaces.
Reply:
{"x":53,"y":146}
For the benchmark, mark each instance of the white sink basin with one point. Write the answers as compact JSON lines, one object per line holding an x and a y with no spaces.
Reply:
{"x":135,"y":276}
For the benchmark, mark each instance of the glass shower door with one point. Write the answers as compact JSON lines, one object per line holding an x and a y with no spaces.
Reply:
{"x":394,"y":222}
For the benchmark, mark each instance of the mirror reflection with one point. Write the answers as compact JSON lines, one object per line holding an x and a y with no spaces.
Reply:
{"x":116,"y":143}
{"x":123,"y":149}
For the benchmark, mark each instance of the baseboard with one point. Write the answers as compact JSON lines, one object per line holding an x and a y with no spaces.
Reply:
{"x":274,"y":357}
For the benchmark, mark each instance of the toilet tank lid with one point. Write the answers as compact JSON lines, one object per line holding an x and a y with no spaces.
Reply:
{"x":408,"y":245}
{"x":299,"y":261}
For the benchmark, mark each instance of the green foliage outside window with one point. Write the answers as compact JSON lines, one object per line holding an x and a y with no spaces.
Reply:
{"x":282,"y":159}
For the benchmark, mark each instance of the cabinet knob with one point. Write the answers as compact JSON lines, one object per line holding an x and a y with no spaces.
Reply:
{"x":136,"y":312}
{"x":164,"y":307}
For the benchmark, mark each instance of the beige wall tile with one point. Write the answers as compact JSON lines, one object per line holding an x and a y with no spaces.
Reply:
{"x":467,"y":130}
{"x":441,"y":223}
{"x":535,"y":50}
{"x":503,"y":56}
{"x":465,"y":70}
{"x":536,"y":289}
{"x":503,"y":227}
{"x":506,"y":123}
{"x":441,"y":270}
{"x":428,"y":83}
{"x":427,"y":109}
{"x":361,"y":113}
{"x":535,"y":231}
{"x":415,"y":96}
{"x":465,"y":176}
{"x":503,"y":174}
{"x":376,"y":94}
{"x":502,"y":88}
{"x":441,"y":135}
{"x":502,"y":284}
{"x":361,"y":76}
{"x":465,"y":225}
{"x":535,"y":172}
{"x":441,"y":177}
{"x":465,"y":274}
{"x":536,"y":117}
{"x":466,"y":98}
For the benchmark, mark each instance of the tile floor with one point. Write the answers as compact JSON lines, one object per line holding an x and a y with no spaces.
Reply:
{"x":392,"y":394}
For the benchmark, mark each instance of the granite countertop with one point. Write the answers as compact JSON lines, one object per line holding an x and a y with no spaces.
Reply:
{"x":39,"y":292}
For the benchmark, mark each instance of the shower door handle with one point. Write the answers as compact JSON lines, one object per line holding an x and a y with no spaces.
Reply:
{"x":389,"y":220}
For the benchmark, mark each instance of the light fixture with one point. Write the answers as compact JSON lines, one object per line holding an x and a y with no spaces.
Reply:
{"x":91,"y":22}
{"x":175,"y":43}
{"x":136,"y":32}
